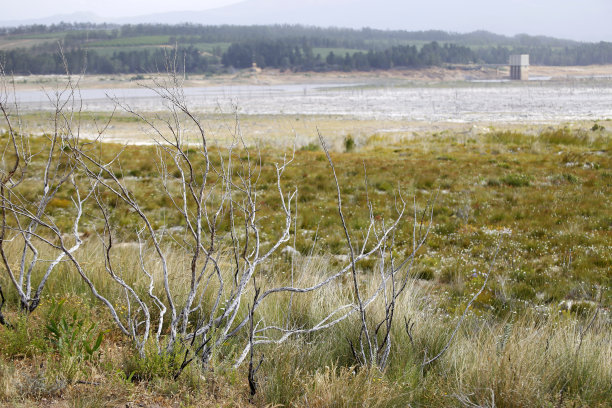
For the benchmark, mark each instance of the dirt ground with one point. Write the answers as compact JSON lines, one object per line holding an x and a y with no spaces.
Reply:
{"x":273,"y":76}
{"x":285,"y":132}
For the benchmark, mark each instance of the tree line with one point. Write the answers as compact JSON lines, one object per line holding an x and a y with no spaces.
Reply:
{"x":294,"y":48}
{"x":300,"y":56}
{"x":285,"y":55}
{"x":365,"y":38}
{"x":22,"y":62}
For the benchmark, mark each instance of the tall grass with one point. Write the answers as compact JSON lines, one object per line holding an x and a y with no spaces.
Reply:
{"x":543,"y":196}
{"x":534,"y":359}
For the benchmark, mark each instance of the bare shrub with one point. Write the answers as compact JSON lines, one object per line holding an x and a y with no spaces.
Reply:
{"x":37,"y":178}
{"x":197,"y":286}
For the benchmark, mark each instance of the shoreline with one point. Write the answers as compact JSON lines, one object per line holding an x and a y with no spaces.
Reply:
{"x":426,"y":76}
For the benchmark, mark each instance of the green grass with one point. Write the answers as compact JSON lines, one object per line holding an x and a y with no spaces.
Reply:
{"x":133,"y":41}
{"x":45,"y":36}
{"x":109,"y":51}
{"x":549,"y":202}
{"x":105,"y":49}
{"x":538,"y":335}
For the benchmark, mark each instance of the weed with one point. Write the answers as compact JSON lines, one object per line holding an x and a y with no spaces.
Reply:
{"x":349,"y":143}
{"x":75,"y":338}
{"x":516,"y":180}
{"x":509,"y":138}
{"x":152,"y":365}
{"x":311,"y":147}
{"x":384,"y":186}
{"x":9,"y":382}
{"x":23,"y":339}
{"x":493,"y":182}
{"x":564,"y":136}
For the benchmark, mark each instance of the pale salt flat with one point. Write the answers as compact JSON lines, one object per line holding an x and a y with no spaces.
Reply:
{"x":470,"y":102}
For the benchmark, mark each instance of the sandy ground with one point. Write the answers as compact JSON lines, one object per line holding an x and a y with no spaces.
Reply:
{"x":284,"y":131}
{"x":273,"y":77}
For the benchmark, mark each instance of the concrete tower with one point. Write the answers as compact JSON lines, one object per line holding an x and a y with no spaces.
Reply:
{"x":519,"y":67}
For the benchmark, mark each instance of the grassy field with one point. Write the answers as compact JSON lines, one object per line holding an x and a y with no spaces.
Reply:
{"x":537,"y":335}
{"x":134,"y":43}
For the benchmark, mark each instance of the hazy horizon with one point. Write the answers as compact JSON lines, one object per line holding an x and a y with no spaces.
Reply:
{"x":582,"y":21}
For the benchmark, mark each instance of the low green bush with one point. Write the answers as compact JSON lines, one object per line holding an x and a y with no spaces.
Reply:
{"x":516,"y":180}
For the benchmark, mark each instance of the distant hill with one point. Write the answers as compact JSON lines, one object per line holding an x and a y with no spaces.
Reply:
{"x":573,"y":20}
{"x":141,"y":48}
{"x":78,"y":17}
{"x":570,"y":21}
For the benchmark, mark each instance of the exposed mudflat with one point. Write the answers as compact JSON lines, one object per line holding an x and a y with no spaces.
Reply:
{"x":539,"y":101}
{"x":276,"y":105}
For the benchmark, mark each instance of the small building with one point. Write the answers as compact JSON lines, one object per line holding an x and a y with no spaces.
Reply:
{"x":255,"y":69}
{"x":519,"y":67}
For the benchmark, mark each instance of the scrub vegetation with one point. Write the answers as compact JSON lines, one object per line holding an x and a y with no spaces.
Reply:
{"x":460,"y":270}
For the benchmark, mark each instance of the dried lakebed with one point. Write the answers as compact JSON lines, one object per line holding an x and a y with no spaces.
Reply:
{"x":536,"y":102}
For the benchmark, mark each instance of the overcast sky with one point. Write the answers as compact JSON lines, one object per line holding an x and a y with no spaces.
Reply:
{"x":586,"y":20}
{"x":29,"y":9}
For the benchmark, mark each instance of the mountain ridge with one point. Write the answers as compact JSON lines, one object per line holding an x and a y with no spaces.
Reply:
{"x":384,"y":14}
